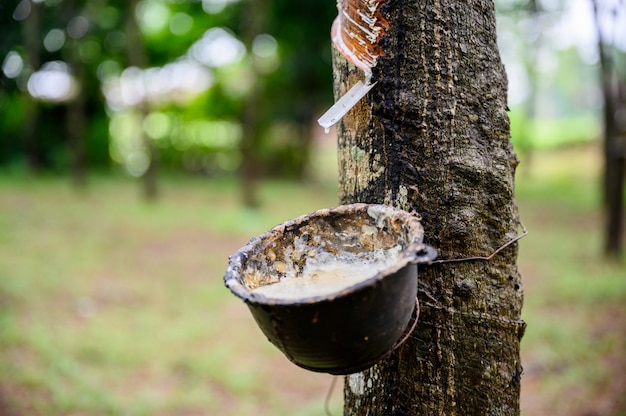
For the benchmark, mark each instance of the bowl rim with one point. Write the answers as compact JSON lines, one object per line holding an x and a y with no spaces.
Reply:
{"x":416,"y":252}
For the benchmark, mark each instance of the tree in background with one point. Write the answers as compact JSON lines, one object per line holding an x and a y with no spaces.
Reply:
{"x":91,"y":46}
{"x":31,"y":31}
{"x":613,"y":83}
{"x":137,"y":57}
{"x":50,"y":55}
{"x":528,"y":17}
{"x":433,"y":136}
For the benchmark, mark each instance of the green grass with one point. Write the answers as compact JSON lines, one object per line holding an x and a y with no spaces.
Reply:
{"x":110,"y":305}
{"x":573,"y":347}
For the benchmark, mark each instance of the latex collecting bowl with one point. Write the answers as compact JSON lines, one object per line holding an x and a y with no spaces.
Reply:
{"x":335,"y":289}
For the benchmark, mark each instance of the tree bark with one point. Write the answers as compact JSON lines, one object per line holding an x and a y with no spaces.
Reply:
{"x":77,"y":129}
{"x":76,"y":121}
{"x":614,"y":147}
{"x":434,"y":136}
{"x":137,"y":56}
{"x":529,"y":56}
{"x":31,"y":34}
{"x":251,"y":114}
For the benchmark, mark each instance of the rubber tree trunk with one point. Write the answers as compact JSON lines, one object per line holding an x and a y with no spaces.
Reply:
{"x":137,"y":56}
{"x":76,"y":121}
{"x":529,"y":58}
{"x":251,"y":115}
{"x":31,"y":35}
{"x":433,"y":136}
{"x":614,"y":147}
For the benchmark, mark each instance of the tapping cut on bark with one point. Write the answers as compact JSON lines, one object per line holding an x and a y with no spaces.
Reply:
{"x":357,"y":30}
{"x":355,"y":34}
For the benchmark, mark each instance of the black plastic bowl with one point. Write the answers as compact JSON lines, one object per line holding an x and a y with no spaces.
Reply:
{"x":350,"y":330}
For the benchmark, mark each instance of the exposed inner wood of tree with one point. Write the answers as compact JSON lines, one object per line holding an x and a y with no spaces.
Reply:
{"x":357,"y":31}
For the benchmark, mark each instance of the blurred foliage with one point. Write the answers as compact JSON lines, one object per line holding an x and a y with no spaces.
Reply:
{"x":203,"y":64}
{"x":199,"y":42}
{"x":554,"y":93}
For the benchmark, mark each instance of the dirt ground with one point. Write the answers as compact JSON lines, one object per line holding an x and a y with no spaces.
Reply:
{"x":607,"y":398}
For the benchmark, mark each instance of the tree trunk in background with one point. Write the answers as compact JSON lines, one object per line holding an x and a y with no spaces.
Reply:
{"x":76,"y":120}
{"x":77,"y":129}
{"x":31,"y":33}
{"x":529,"y":53}
{"x":251,"y":113}
{"x":76,"y":109}
{"x":137,"y":57}
{"x":433,"y":136}
{"x":614,"y":148}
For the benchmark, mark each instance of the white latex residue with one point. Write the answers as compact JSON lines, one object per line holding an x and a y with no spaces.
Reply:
{"x":327,"y":274}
